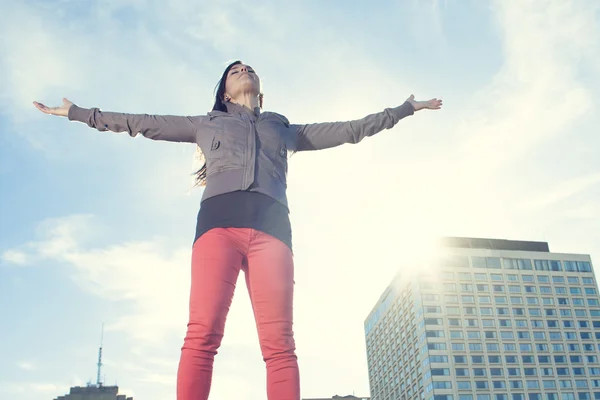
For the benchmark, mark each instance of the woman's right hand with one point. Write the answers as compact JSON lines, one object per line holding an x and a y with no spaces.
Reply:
{"x":61,"y":111}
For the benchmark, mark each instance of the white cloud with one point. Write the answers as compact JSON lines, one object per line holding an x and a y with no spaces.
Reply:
{"x":586,"y":212}
{"x":45,"y":387}
{"x":39,"y":64}
{"x":538,"y":93}
{"x":14,"y":257}
{"x":26,"y":365}
{"x":127,"y":392}
{"x":212,"y":21}
{"x":562,"y":191}
{"x":146,"y":273}
{"x":29,"y":387}
{"x":160,"y":379}
{"x":76,"y":381}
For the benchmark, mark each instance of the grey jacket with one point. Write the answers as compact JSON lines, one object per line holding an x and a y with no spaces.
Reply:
{"x":244,"y":150}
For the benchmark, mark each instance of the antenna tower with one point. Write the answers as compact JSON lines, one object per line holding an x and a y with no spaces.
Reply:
{"x":98,"y":382}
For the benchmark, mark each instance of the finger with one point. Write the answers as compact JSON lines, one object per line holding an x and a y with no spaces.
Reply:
{"x":41,"y":107}
{"x":47,"y":110}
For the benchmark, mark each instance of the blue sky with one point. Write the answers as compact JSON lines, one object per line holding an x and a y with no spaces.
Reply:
{"x":97,"y":227}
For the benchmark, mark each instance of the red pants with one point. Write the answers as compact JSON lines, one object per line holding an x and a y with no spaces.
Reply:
{"x":217,"y":258}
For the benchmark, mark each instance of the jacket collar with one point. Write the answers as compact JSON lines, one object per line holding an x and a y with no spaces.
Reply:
{"x":233,"y":107}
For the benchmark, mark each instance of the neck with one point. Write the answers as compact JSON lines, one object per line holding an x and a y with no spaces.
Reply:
{"x":250,"y":101}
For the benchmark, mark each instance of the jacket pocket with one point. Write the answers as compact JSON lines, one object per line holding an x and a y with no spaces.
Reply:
{"x":216,"y":146}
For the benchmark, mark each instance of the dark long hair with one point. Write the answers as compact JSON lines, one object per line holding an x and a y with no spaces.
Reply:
{"x":220,"y":88}
{"x":218,"y":106}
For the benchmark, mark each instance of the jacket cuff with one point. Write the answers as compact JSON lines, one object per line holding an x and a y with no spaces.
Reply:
{"x":78,"y":114}
{"x":403,"y":111}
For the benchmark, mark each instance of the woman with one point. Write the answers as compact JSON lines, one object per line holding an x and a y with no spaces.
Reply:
{"x":243,"y":222}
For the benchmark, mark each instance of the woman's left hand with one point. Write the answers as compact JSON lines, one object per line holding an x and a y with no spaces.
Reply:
{"x":433,"y":104}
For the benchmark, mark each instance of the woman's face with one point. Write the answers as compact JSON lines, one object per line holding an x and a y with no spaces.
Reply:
{"x":241,"y":80}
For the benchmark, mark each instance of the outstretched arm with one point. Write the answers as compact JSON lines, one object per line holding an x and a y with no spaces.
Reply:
{"x":331,"y":134}
{"x":157,"y":127}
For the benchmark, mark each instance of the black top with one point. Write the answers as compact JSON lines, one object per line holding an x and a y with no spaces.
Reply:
{"x":242,"y":209}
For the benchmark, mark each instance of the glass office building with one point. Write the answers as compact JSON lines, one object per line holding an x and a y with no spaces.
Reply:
{"x":488,"y":320}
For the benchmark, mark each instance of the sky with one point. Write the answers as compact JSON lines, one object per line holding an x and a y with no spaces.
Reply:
{"x":96,"y":227}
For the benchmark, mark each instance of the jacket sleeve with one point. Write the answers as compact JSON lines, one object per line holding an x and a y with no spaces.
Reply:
{"x":331,"y":134}
{"x":157,"y":127}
